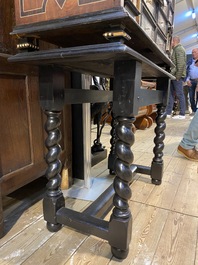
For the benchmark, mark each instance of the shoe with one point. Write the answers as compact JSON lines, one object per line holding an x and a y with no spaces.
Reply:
{"x":192,"y":114}
{"x":191,"y":154}
{"x":179,"y":117}
{"x":168,"y":116}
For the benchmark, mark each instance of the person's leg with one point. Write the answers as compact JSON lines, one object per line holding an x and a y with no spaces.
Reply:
{"x":169,"y":107}
{"x":191,"y":90}
{"x":180,"y":94}
{"x":185,"y":88}
{"x":190,"y":137}
{"x":196,"y":96}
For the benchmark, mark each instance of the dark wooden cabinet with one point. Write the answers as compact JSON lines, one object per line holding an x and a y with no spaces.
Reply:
{"x":145,"y":26}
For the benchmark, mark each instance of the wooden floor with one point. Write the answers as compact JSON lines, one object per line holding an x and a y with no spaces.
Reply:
{"x":165,"y":217}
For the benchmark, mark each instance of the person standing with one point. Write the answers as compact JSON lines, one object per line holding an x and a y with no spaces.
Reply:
{"x":191,"y":79}
{"x":178,"y":58}
{"x":187,"y":146}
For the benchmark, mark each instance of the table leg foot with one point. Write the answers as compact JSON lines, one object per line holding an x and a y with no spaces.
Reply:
{"x":119,"y":253}
{"x":53,"y":227}
{"x":156,"y":181}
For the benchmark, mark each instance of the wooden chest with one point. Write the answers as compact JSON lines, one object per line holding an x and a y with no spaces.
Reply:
{"x":143,"y":25}
{"x":39,"y":10}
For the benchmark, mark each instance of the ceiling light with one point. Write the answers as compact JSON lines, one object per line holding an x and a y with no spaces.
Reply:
{"x":193,"y":14}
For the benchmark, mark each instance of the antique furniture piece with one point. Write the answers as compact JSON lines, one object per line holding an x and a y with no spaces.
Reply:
{"x":146,"y":114}
{"x":22,"y":161}
{"x":103,"y":38}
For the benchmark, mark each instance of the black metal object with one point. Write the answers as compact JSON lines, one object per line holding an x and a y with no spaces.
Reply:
{"x":77,"y":128}
{"x":79,"y":96}
{"x":97,"y":111}
{"x":127,"y":68}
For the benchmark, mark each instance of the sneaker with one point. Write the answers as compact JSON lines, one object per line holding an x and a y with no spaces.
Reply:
{"x":179,"y":117}
{"x":192,"y":114}
{"x":191,"y":154}
{"x":168,"y":116}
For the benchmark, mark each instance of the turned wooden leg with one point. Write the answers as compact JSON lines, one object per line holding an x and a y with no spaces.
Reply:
{"x":54,"y":199}
{"x":112,"y":154}
{"x":157,"y":163}
{"x":120,"y":226}
{"x":127,"y":81}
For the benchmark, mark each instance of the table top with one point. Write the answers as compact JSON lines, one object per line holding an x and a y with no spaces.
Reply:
{"x":95,"y":59}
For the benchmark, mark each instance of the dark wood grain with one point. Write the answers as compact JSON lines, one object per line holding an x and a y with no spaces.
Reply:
{"x":7,"y":22}
{"x":22,"y":135}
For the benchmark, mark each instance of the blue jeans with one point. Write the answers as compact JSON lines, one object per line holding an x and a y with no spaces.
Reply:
{"x":176,"y":89}
{"x":190,"y":137}
{"x":191,"y":90}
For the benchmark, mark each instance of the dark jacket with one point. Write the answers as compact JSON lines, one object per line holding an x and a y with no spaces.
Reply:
{"x":178,"y":57}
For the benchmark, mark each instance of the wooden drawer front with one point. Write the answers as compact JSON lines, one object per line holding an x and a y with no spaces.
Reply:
{"x":151,"y":5}
{"x":156,"y":18}
{"x":148,"y":25}
{"x":162,"y":23}
{"x":31,"y":11}
{"x":161,"y":42}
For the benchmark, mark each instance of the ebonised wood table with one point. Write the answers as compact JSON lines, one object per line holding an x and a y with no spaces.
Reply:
{"x":127,"y":68}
